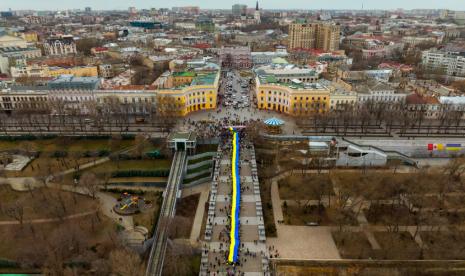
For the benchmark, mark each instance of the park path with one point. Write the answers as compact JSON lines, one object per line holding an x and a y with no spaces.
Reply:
{"x":107,"y":201}
{"x":36,"y":221}
{"x":198,"y":219}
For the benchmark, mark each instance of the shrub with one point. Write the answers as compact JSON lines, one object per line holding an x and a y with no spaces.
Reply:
{"x":135,"y":173}
{"x":8,"y":264}
{"x":270,"y":229}
{"x":59,"y":153}
{"x":27,"y":137}
{"x":128,"y":136}
{"x":103,"y":152}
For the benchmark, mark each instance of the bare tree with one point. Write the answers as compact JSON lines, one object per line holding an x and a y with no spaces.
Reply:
{"x":90,"y":183}
{"x":14,"y":210}
{"x":124,"y":262}
{"x":168,"y":111}
{"x":141,"y":144}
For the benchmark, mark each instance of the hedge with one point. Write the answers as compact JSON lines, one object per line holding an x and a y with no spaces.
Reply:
{"x":8,"y":264}
{"x":29,"y":137}
{"x":198,"y":160}
{"x":59,"y":153}
{"x":26,"y":137}
{"x":199,"y":169}
{"x":134,"y":173}
{"x":187,"y":181}
{"x":99,"y":153}
{"x":128,"y":136}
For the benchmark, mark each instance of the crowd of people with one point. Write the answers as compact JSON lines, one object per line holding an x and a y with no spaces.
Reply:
{"x":220,"y":263}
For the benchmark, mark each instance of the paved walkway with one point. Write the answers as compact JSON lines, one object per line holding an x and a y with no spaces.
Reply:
{"x":299,"y":242}
{"x":35,"y":221}
{"x":198,"y":219}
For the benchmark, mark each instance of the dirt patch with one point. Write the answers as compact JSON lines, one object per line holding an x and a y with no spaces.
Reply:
{"x":353,"y":245}
{"x":42,"y":203}
{"x":397,"y":246}
{"x":302,"y":187}
{"x":184,"y":218}
{"x":444,"y":245}
{"x":268,"y":216}
{"x":390,"y":215}
{"x":32,"y":243}
{"x":304,"y":215}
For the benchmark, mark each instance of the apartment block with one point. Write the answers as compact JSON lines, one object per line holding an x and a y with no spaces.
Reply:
{"x":316,"y":35}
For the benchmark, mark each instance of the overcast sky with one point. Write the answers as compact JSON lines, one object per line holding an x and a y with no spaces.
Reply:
{"x":226,"y":4}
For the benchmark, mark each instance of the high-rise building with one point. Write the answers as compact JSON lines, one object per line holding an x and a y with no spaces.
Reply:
{"x":316,"y":35}
{"x":88,"y":9}
{"x":239,"y":9}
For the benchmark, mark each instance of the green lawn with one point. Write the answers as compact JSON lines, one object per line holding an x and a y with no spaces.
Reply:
{"x":140,"y":165}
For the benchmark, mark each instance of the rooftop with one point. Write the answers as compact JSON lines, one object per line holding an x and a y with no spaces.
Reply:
{"x":189,"y":136}
{"x":6,"y":50}
{"x":183,"y":74}
{"x":204,"y":79}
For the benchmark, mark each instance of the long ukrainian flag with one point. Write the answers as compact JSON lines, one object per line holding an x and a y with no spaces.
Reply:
{"x":236,"y":195}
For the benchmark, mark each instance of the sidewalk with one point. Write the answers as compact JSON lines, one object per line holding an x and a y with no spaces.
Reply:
{"x":198,"y":219}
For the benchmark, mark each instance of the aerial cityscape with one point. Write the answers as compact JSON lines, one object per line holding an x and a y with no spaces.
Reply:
{"x":232,"y":138}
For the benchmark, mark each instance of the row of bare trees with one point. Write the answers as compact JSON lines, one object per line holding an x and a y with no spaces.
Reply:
{"x":111,"y":112}
{"x":384,"y":117}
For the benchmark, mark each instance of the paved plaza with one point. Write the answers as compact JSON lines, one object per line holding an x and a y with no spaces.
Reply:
{"x":253,"y":257}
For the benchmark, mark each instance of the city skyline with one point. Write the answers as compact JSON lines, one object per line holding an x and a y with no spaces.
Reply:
{"x":211,"y":4}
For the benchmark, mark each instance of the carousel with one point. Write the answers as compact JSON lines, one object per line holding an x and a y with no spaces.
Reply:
{"x":273,"y":125}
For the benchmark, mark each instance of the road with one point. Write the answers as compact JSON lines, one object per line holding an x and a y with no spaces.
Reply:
{"x":167,"y":211}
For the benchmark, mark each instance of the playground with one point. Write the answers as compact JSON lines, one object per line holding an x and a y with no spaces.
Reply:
{"x":131,"y":204}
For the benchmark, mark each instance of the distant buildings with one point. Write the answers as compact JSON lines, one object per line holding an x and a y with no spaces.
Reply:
{"x":13,"y":56}
{"x":450,"y":63}
{"x":60,"y":46}
{"x":260,"y":58}
{"x":379,"y":92}
{"x":236,"y":57}
{"x":12,"y":41}
{"x":69,"y":82}
{"x":319,"y":35}
{"x":189,"y":10}
{"x":239,"y":10}
{"x":256,"y":15}
{"x":46,"y":71}
{"x":204,"y":24}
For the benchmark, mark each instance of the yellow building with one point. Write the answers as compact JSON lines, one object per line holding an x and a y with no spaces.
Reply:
{"x":295,"y":98}
{"x":325,"y":36}
{"x":200,"y":94}
{"x":30,"y":36}
{"x":181,"y":78}
{"x":77,"y":71}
